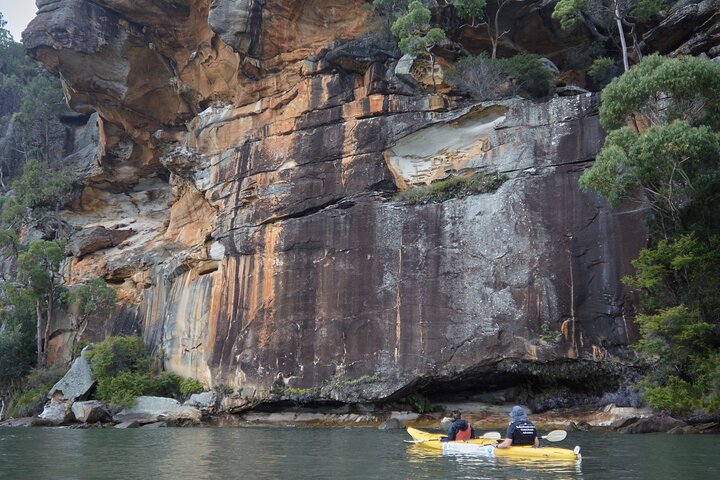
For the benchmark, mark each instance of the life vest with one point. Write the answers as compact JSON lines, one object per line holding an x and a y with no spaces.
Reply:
{"x":524,"y":433}
{"x":466,"y":434}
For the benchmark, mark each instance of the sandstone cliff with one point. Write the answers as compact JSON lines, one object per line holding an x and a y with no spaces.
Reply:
{"x":247,"y":152}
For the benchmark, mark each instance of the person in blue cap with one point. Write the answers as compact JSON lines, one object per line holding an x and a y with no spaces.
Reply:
{"x":520,"y":431}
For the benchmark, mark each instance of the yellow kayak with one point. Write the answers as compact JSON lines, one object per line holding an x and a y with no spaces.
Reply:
{"x":484,"y":447}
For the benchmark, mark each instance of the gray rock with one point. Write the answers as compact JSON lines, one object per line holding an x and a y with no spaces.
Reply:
{"x":547,"y":63}
{"x":403,"y":69}
{"x":54,"y":415}
{"x":238,"y":23}
{"x":683,"y":430}
{"x":153,"y":409}
{"x":204,"y":401}
{"x":570,"y":90}
{"x":654,"y":424}
{"x":76,"y":384}
{"x":17,"y":422}
{"x":128,"y":424}
{"x":91,"y":411}
{"x":391,"y":424}
{"x":89,"y":240}
{"x":404,"y":416}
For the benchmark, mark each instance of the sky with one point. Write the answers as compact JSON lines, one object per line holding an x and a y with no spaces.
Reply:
{"x":17,"y":14}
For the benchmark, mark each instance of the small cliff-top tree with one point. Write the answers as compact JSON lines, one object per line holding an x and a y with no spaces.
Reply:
{"x":414,"y":34}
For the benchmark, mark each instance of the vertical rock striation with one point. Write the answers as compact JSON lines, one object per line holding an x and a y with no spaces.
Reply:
{"x":253,"y":147}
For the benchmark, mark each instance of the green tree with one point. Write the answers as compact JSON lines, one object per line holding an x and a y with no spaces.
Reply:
{"x":414,"y":34}
{"x":476,"y":14}
{"x":39,"y":193}
{"x":93,"y":298}
{"x":5,"y":37}
{"x":675,"y":160}
{"x":39,"y":268}
{"x":36,"y":123}
{"x":603,"y":13}
{"x":661,"y":89}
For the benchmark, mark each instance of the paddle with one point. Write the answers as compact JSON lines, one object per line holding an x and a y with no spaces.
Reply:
{"x":555,"y":436}
{"x":486,"y":436}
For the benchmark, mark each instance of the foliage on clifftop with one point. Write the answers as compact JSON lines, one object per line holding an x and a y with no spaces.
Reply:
{"x":452,"y":187}
{"x":671,"y":158}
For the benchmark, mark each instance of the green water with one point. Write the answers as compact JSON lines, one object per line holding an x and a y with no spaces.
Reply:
{"x":329,"y":453}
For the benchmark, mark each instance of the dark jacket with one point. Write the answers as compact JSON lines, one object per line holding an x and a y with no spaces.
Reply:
{"x":457,"y":426}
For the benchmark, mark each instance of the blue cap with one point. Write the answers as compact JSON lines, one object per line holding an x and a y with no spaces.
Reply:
{"x":517,"y":413}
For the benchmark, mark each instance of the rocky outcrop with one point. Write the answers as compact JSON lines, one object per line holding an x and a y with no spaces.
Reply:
{"x":76,"y":384}
{"x":691,"y":27}
{"x":91,"y":411}
{"x":147,"y":410}
{"x":257,"y":161}
{"x":89,"y":240}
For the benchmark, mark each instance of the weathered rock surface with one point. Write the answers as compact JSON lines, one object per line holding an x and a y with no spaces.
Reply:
{"x":692,"y":27}
{"x":76,"y":384}
{"x":91,"y":411}
{"x":205,"y":401}
{"x":653,"y":424}
{"x":54,"y":415}
{"x":92,"y":239}
{"x":254,"y":147}
{"x":153,"y":409}
{"x":390,"y":424}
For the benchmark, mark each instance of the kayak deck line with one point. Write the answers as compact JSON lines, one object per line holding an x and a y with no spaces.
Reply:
{"x":486,"y":447}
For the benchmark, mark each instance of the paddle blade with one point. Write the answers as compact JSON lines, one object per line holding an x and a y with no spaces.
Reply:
{"x":492,"y":436}
{"x":555,"y":436}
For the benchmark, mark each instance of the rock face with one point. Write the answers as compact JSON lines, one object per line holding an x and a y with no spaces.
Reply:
{"x":255,"y":146}
{"x":76,"y":384}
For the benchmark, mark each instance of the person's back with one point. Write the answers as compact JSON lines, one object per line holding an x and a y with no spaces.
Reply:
{"x":460,"y":429}
{"x":521,"y":431}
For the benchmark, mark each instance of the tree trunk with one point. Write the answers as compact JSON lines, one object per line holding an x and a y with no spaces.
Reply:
{"x":621,"y":33}
{"x":46,"y":339}
{"x":38,"y":313}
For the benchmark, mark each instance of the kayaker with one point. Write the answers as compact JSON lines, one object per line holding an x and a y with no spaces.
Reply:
{"x":459,"y":429}
{"x":521,"y":431}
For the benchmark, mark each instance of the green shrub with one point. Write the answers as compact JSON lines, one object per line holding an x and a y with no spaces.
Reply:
{"x":30,"y":400}
{"x":530,"y":78}
{"x":188,"y":386}
{"x":119,"y":354}
{"x":121,"y":366}
{"x":603,"y":70}
{"x":121,"y":390}
{"x":485,"y":78}
{"x":165,"y":384}
{"x":452,"y":187}
{"x":27,"y":403}
{"x":16,"y":354}
{"x":481,"y":77}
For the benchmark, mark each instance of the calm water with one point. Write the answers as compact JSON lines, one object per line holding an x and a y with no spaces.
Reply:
{"x":328,"y":453}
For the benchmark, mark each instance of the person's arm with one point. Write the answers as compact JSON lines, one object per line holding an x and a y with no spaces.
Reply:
{"x":508,"y":437}
{"x":451,"y":433}
{"x":505,"y":443}
{"x":536,"y":443}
